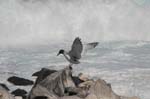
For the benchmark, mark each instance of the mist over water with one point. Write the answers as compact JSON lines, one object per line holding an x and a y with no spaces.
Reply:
{"x":26,"y":22}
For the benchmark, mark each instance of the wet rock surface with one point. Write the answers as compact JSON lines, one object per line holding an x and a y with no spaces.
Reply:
{"x":20,"y":81}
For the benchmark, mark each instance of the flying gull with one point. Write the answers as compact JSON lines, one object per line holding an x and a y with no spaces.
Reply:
{"x":77,"y":50}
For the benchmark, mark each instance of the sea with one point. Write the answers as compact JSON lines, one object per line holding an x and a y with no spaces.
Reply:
{"x":123,"y":64}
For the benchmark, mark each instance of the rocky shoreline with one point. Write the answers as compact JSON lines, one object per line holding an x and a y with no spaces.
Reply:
{"x":52,"y":84}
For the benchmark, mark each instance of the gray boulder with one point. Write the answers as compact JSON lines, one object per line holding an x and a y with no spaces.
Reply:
{"x":53,"y":85}
{"x":41,"y":91}
{"x":102,"y":90}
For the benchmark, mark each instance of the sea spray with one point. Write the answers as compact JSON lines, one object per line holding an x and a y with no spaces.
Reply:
{"x":24,"y":22}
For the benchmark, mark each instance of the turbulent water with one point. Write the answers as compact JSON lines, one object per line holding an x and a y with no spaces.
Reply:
{"x":124,"y":64}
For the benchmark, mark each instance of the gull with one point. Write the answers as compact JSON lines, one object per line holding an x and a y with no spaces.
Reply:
{"x":76,"y":51}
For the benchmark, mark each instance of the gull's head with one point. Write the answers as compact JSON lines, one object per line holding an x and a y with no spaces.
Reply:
{"x":60,"y":52}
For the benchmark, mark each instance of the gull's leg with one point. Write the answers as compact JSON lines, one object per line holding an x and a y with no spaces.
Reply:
{"x":70,"y":66}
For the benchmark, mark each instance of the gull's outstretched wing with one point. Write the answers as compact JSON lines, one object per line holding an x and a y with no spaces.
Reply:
{"x":76,"y":49}
{"x":89,"y":46}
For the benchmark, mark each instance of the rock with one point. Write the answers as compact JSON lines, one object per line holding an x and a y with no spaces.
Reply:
{"x":18,"y":97}
{"x":70,"y":97}
{"x":53,"y":84}
{"x":4,"y":94}
{"x":82,"y":93}
{"x":40,"y":91}
{"x":102,"y":90}
{"x":77,"y":91}
{"x":91,"y":96}
{"x":70,"y":91}
{"x":46,"y":71}
{"x":86,"y":84}
{"x":83,"y":77}
{"x":134,"y":97}
{"x":19,"y":92}
{"x":4,"y":86}
{"x":42,"y":74}
{"x":20,"y":81}
{"x":41,"y":97}
{"x":76,"y":80}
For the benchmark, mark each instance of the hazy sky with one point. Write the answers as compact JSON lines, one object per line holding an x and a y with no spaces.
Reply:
{"x":44,"y":21}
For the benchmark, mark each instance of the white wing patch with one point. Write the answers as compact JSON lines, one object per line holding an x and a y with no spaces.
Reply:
{"x":89,"y":46}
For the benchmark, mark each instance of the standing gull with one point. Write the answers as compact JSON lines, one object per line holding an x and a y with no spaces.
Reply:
{"x":74,"y":54}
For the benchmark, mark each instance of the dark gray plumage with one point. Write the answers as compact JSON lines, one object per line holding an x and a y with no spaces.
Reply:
{"x":76,"y":50}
